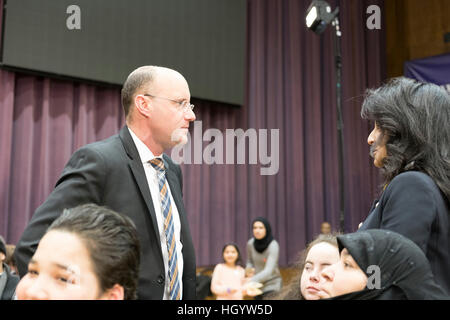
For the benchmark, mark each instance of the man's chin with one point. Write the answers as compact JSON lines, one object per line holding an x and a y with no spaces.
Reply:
{"x":182,"y":140}
{"x":179,"y":137}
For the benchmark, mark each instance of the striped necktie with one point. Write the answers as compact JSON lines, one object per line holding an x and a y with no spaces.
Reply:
{"x":169,"y":229}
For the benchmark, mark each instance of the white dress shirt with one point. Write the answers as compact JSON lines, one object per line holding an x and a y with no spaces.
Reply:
{"x":152,"y":178}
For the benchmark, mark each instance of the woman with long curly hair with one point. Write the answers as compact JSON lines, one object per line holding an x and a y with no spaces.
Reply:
{"x":410,"y":143}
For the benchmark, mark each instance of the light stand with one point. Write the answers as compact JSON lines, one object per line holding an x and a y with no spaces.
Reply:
{"x":340,"y":121}
{"x":319,"y":15}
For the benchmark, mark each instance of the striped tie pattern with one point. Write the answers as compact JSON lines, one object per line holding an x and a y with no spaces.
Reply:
{"x":169,"y":229}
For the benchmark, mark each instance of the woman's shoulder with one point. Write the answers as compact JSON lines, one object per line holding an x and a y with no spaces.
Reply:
{"x":414,"y":177}
{"x":239,"y":268}
{"x":219,"y":266}
{"x":274,"y":244}
{"x":414,"y":183}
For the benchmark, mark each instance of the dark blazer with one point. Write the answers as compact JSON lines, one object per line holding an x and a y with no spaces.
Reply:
{"x":413,"y":205}
{"x":110,"y":173}
{"x":11,"y":284}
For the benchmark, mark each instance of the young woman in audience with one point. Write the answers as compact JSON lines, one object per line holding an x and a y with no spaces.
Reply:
{"x":262,"y":258}
{"x":305,"y":284}
{"x":89,"y":252}
{"x":380,"y":265}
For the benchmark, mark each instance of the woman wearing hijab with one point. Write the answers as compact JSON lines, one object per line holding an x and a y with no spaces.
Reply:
{"x":380,"y":265}
{"x":262,"y":258}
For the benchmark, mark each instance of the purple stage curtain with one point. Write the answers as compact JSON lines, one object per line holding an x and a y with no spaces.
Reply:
{"x":290,"y":87}
{"x":43,"y":121}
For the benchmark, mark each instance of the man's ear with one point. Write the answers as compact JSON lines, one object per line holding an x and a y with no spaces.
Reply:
{"x":2,"y":257}
{"x":115,"y":293}
{"x":142,"y":105}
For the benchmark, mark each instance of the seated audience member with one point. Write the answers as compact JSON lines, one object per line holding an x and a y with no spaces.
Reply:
{"x":228,"y":279}
{"x":305,"y":284}
{"x":262,"y":259}
{"x":325,"y":228}
{"x":10,"y":261}
{"x":8,"y":281}
{"x":89,"y":252}
{"x":380,"y":265}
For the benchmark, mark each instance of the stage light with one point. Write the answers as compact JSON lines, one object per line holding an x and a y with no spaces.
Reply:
{"x":319,"y":15}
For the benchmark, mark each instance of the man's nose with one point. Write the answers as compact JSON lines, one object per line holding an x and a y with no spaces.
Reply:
{"x":190,"y":115}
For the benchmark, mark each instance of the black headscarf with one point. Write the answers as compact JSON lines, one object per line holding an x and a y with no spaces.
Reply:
{"x":404,"y":269}
{"x":262,"y":244}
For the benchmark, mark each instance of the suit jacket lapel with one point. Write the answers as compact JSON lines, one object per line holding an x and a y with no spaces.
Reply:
{"x":137,"y":169}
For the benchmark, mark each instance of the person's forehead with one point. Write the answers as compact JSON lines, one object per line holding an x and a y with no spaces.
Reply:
{"x":52,"y":262}
{"x":323,"y":249}
{"x":345,"y":252}
{"x":171,"y":85}
{"x":63,"y":249}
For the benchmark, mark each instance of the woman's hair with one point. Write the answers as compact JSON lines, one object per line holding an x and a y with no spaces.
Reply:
{"x":112,"y":242}
{"x":237,"y":249}
{"x":414,"y":118}
{"x":292,"y":290}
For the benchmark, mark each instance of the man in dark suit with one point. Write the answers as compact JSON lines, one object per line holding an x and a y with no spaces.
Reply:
{"x":410,"y":144}
{"x":120,"y":173}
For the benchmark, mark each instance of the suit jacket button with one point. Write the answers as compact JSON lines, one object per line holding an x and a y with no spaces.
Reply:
{"x":160,"y":280}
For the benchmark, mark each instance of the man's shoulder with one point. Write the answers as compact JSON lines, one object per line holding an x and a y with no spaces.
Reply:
{"x":108,"y":147}
{"x":104,"y":144}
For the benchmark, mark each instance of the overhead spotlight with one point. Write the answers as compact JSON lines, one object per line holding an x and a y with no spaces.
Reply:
{"x":319,"y":15}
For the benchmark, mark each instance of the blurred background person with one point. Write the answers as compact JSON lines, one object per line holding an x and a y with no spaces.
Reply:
{"x":410,"y":143}
{"x":88,"y":253}
{"x":8,"y":281}
{"x":262,"y":258}
{"x":325,"y":228}
{"x":228,"y":278}
{"x":10,"y":260}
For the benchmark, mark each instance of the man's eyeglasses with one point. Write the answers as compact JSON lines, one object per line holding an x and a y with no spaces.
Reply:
{"x":185,"y":106}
